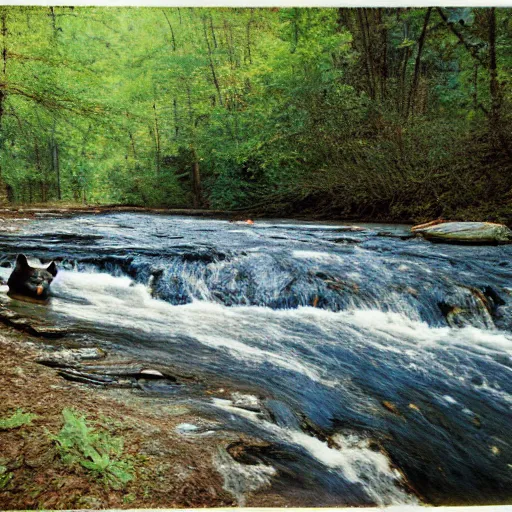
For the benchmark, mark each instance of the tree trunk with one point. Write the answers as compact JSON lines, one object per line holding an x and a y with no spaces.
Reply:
{"x":196,"y":181}
{"x":249,"y":37}
{"x":176,"y":123}
{"x":173,"y":39}
{"x":55,"y":161}
{"x":416,"y":76}
{"x":213,"y":32}
{"x":157,"y":141}
{"x":475,"y":88}
{"x":212,"y":67}
{"x":57,"y":169}
{"x":367,"y":60}
{"x":496,"y":128}
{"x":3,"y":94}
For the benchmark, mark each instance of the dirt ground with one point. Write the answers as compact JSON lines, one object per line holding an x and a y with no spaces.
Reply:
{"x":171,"y":469}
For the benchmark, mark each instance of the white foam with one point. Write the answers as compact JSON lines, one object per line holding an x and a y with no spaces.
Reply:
{"x":355,"y":460}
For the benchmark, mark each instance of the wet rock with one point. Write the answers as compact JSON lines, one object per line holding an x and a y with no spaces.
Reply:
{"x":466,"y":232}
{"x":71,"y":357}
{"x":47,"y":331}
{"x":151,"y":374}
{"x":346,"y":240}
{"x":398,"y":236}
{"x":254,"y":452}
{"x":87,"y":378}
{"x":247,"y":402}
{"x":350,"y":229}
{"x":477,"y":380}
{"x":191,"y":429}
{"x":30,"y":326}
{"x":282,"y":414}
{"x":160,"y":387}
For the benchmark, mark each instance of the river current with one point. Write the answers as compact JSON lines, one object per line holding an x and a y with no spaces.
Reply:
{"x":377,"y":365}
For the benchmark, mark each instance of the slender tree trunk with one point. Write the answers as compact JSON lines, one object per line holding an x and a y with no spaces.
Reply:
{"x":213,"y":32}
{"x":475,"y":87}
{"x":176,"y":122}
{"x":212,"y":67}
{"x":229,"y":45}
{"x":369,"y":70}
{"x":417,"y":65}
{"x":173,"y":39}
{"x":496,"y":128}
{"x":248,"y":32}
{"x":157,"y":141}
{"x":57,"y":169}
{"x":383,"y":44}
{"x":3,"y":93}
{"x":196,"y":180}
{"x":190,"y":109}
{"x":3,"y":78}
{"x":403,"y":80}
{"x":40,"y":171}
{"x":132,"y":141}
{"x":55,"y":161}
{"x":372,"y":52}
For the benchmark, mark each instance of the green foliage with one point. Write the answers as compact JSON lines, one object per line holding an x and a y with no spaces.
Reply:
{"x":387,"y":112}
{"x":95,"y":450}
{"x":5,"y":477}
{"x":16,"y":420}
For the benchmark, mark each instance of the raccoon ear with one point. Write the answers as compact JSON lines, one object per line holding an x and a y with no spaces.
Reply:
{"x":22,"y":262}
{"x":52,"y":268}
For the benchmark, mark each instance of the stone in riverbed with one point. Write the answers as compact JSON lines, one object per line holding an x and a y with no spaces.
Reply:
{"x":465,"y":232}
{"x":70,"y":357}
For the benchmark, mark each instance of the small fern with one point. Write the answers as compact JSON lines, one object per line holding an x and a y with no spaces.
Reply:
{"x":97,"y":451}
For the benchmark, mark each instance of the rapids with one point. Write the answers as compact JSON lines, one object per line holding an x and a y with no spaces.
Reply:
{"x":378,"y":366}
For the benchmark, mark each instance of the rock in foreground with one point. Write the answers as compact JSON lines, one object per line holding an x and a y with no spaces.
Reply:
{"x":466,"y":232}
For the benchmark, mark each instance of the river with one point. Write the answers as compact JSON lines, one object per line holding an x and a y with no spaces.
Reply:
{"x":378,"y":366}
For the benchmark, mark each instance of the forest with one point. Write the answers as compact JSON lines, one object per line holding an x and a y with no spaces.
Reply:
{"x":393,"y":113}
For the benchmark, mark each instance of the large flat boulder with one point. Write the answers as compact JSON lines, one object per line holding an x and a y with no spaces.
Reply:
{"x":466,"y":232}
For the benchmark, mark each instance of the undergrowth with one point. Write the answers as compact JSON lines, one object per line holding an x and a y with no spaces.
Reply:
{"x":98,"y":451}
{"x":18,"y":419}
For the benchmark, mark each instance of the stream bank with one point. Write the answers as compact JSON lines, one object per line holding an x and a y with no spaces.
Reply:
{"x":173,"y":467}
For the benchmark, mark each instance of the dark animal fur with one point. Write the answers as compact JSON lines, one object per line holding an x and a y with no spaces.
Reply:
{"x":25,"y":280}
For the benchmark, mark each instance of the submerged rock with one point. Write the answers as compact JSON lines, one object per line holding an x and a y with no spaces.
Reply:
{"x":465,"y":232}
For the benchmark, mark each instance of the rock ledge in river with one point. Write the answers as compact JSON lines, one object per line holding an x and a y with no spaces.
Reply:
{"x":465,"y":232}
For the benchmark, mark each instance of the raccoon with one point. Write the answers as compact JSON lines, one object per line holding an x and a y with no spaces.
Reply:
{"x":30,"y":281}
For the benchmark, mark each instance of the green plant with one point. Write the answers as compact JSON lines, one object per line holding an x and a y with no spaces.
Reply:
{"x":5,"y":477}
{"x":95,"y":450}
{"x":18,"y":419}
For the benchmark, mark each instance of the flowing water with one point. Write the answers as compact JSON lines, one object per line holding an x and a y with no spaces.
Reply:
{"x":379,"y":367}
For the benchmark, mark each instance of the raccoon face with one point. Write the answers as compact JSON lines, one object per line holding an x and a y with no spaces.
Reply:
{"x":30,"y":281}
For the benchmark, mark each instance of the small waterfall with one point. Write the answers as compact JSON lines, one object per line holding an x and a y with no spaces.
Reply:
{"x":372,"y":362}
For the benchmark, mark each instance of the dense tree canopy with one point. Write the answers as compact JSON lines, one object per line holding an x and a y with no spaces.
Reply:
{"x":398,"y":113}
